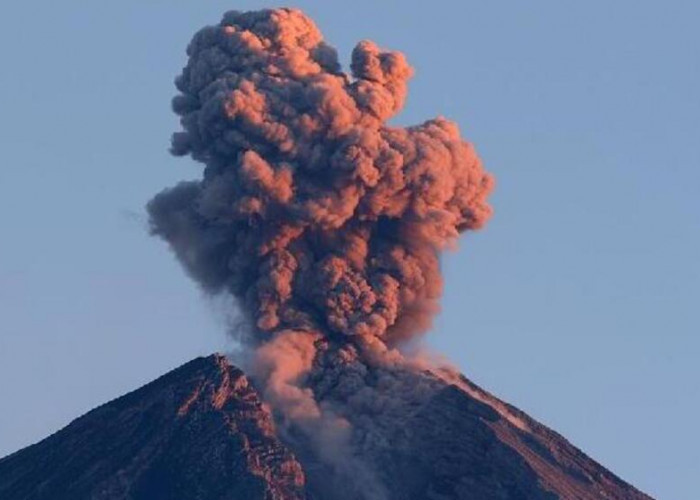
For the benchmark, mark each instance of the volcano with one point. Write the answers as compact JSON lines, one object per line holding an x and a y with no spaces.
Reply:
{"x":202,"y":431}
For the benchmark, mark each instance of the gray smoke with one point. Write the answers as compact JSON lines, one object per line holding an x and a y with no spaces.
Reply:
{"x":323,"y":222}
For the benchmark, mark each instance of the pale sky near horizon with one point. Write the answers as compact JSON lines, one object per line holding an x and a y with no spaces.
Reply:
{"x":578,"y":302}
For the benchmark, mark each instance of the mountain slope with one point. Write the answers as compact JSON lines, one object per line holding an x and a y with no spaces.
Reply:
{"x":201,"y":432}
{"x":460,"y":447}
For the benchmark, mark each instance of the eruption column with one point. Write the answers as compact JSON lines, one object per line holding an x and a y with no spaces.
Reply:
{"x":321,"y":220}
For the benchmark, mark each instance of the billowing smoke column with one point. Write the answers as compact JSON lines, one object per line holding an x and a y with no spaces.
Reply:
{"x":321,"y":220}
{"x":313,"y":212}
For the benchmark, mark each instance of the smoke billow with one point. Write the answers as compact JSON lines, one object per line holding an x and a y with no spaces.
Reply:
{"x":321,"y":220}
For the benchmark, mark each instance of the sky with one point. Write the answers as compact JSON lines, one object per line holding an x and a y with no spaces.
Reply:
{"x":578,"y":302}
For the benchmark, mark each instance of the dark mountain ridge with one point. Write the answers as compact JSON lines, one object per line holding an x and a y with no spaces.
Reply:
{"x":202,"y":432}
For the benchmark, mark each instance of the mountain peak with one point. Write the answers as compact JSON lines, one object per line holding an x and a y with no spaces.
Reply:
{"x":202,"y":431}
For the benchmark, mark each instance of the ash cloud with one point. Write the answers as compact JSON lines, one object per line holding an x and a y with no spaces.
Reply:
{"x":312,"y":211}
{"x":321,"y":220}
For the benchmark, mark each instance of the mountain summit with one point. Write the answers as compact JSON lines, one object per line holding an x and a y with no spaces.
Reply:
{"x":203,"y":432}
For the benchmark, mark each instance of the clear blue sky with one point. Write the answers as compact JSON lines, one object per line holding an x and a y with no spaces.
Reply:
{"x":579,"y":302}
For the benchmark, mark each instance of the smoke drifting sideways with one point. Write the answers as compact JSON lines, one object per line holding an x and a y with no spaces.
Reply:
{"x":322,"y":221}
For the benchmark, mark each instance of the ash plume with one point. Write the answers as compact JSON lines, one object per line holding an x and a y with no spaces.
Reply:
{"x":324,"y":222}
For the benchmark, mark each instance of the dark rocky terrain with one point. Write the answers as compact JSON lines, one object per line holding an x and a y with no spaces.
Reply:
{"x":201,"y":432}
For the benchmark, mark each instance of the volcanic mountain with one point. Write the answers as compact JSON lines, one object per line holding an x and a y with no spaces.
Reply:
{"x":203,"y":432}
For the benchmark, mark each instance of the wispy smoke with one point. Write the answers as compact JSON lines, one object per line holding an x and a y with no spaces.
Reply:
{"x":324,"y":222}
